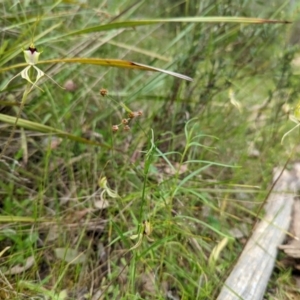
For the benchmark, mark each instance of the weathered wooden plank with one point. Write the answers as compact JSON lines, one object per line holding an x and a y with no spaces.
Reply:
{"x":249,"y":277}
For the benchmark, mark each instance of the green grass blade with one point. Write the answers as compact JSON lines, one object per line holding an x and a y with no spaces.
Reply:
{"x":137,"y":23}
{"x":104,"y":62}
{"x":19,"y":219}
{"x":46,"y":129}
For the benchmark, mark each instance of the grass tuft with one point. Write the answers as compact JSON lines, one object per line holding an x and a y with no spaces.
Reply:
{"x":133,"y":184}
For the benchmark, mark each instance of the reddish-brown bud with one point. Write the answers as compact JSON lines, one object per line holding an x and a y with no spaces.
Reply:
{"x":115,"y":128}
{"x":70,"y":86}
{"x":131,"y":115}
{"x":103,"y":92}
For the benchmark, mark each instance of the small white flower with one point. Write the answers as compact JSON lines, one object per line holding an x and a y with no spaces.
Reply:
{"x":106,"y":190}
{"x":32,"y":57}
{"x":146,"y":230}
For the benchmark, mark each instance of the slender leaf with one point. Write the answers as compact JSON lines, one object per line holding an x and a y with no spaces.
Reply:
{"x":103,"y":62}
{"x":137,"y":23}
{"x":47,"y":129}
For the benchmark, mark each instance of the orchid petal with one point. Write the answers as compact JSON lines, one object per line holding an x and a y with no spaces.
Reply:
{"x":111,"y":193}
{"x":138,"y":243}
{"x":53,"y":80}
{"x":284,"y":136}
{"x":134,"y":236}
{"x":25,"y":75}
{"x":31,"y":55}
{"x":39,"y":75}
{"x":102,"y":182}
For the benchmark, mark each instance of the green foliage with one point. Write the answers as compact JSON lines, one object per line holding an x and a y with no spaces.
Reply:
{"x":143,"y":175}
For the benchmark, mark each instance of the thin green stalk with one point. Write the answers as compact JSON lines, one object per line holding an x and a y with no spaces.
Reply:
{"x":23,"y":101}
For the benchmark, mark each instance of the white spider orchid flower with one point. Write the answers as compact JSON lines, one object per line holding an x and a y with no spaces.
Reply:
{"x":106,"y":189}
{"x":145,"y":232}
{"x":31,"y":57}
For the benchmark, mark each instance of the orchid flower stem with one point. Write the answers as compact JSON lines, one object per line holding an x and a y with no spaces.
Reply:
{"x":23,"y":101}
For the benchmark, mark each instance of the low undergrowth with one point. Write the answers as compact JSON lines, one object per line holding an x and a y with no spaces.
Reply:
{"x":131,"y":184}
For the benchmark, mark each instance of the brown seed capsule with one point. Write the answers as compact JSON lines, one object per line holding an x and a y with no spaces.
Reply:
{"x":131,"y":115}
{"x":139,"y":113}
{"x":124,"y":121}
{"x":126,"y":128}
{"x":115,"y":128}
{"x":103,"y":92}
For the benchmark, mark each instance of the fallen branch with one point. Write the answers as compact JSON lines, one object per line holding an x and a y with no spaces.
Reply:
{"x":249,"y":277}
